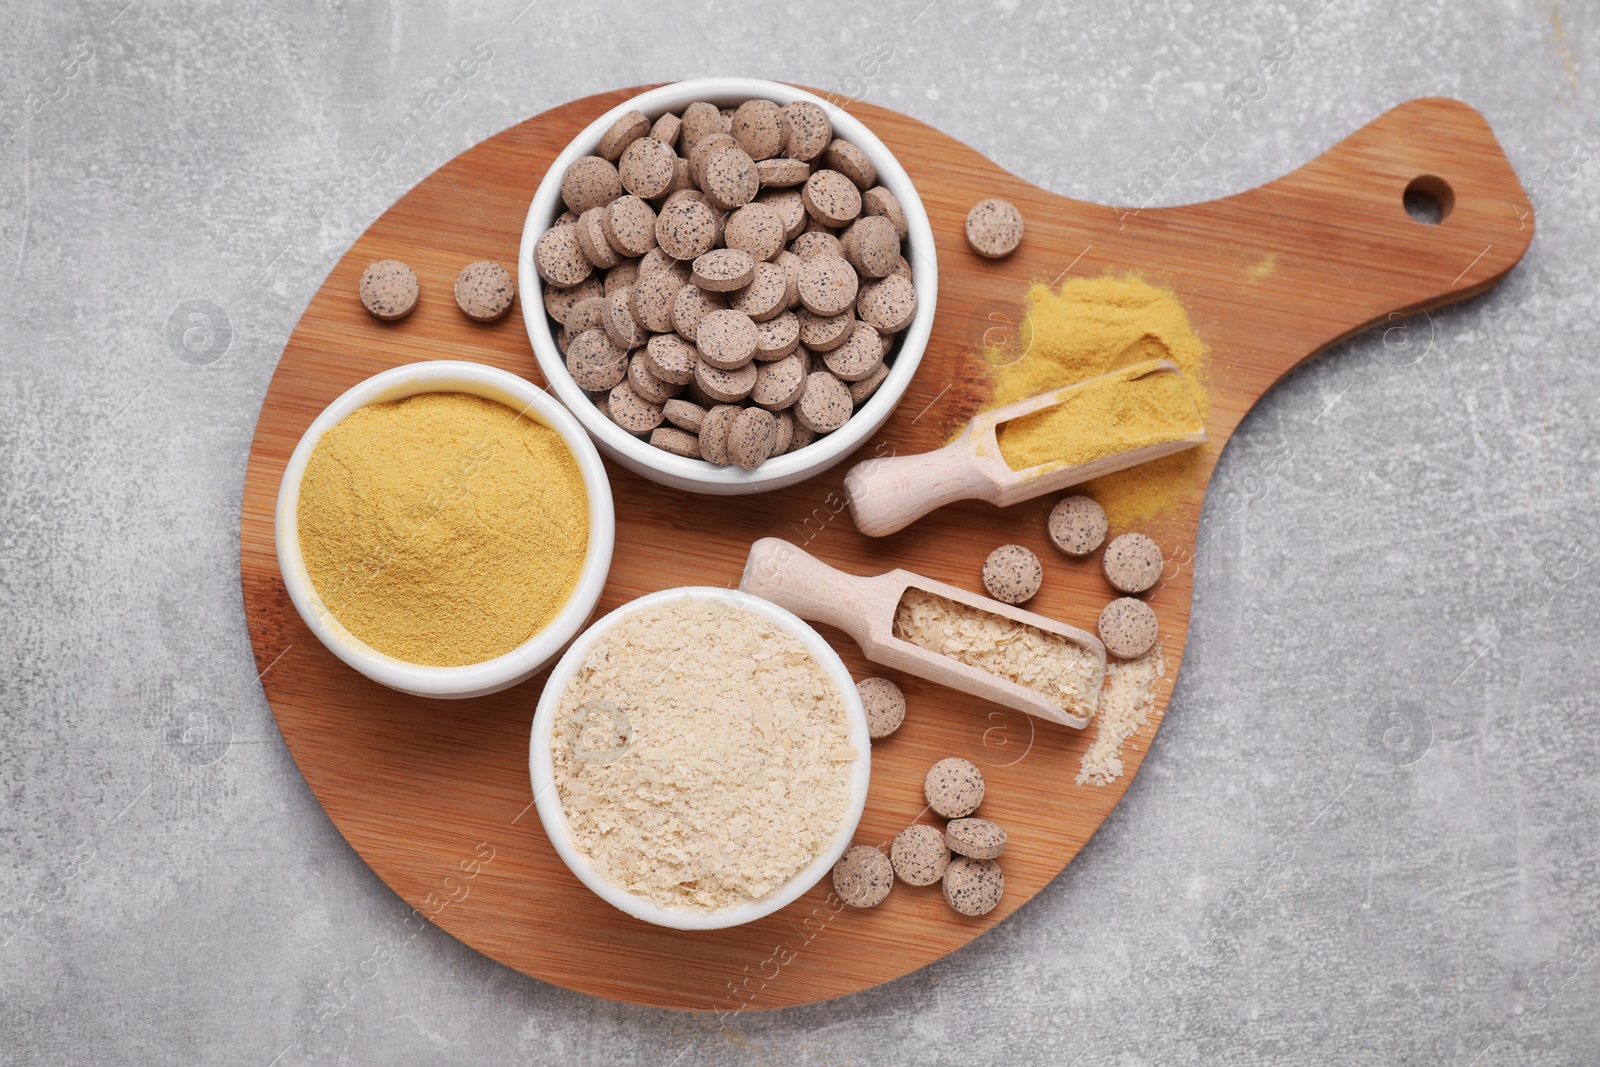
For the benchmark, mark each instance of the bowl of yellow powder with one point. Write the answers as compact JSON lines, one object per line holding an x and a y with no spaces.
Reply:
{"x":690,"y":473}
{"x":700,"y":758}
{"x":445,"y":528}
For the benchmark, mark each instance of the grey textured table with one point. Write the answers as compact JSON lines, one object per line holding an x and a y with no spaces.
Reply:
{"x":1367,"y":832}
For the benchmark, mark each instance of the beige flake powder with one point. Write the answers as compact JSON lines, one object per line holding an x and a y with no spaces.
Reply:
{"x":1125,"y":707}
{"x":1049,"y":664}
{"x":701,"y":755}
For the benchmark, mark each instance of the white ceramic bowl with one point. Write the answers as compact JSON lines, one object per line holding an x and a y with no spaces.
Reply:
{"x":476,"y":679}
{"x":697,"y":475}
{"x":541,"y":767}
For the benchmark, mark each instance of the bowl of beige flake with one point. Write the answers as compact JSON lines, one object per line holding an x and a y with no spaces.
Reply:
{"x":700,"y":758}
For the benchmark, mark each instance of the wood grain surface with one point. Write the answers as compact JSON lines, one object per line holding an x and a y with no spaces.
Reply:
{"x":434,"y":795}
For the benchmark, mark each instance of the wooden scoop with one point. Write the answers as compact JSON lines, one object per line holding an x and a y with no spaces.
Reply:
{"x":864,"y":608}
{"x":890,"y":494}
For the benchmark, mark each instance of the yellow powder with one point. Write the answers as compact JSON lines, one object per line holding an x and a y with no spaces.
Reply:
{"x":1089,"y":327}
{"x":443,"y":529}
{"x":1111,"y":415}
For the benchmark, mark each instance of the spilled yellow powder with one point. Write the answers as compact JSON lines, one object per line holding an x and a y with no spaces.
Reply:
{"x":1141,"y":405}
{"x":1092,"y":326}
{"x":1261,"y":269}
{"x":443,"y":529}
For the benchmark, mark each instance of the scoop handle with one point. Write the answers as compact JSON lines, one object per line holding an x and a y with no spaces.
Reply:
{"x":793,"y":578}
{"x":891,"y":493}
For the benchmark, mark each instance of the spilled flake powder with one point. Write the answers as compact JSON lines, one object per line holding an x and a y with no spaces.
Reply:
{"x":1125,"y":707}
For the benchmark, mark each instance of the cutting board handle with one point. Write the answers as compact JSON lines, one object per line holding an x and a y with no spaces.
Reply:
{"x":1329,"y":249}
{"x":792,"y":578}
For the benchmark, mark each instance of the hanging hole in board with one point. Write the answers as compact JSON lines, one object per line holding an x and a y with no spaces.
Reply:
{"x":1428,"y":199}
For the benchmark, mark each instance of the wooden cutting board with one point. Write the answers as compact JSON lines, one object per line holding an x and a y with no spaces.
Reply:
{"x":434,"y":795}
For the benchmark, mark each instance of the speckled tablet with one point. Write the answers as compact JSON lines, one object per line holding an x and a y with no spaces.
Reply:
{"x":779,"y":383}
{"x":820,"y":333}
{"x":778,"y":336}
{"x":714,"y":430}
{"x":678,"y":442}
{"x":389,"y":290}
{"x":784,"y":433}
{"x":1132,"y":563}
{"x":871,"y":246}
{"x":485,"y":290}
{"x":809,"y":130}
{"x":729,"y":177}
{"x":756,"y":229}
{"x":631,"y":411}
{"x":790,"y":207}
{"x":1012,"y":574}
{"x":630,"y":225}
{"x":595,"y":361}
{"x":885,"y":704}
{"x":953,"y":787}
{"x":620,"y":325}
{"x":559,"y":258}
{"x":994,"y":228}
{"x":622,"y":133}
{"x":646,"y":384}
{"x":760,"y":128}
{"x":919,"y":855}
{"x":782,"y":173}
{"x":647,"y":167}
{"x":586,"y":314}
{"x":726,"y":386}
{"x":590,"y":182}
{"x":978,"y":838}
{"x":559,"y":302}
{"x":727,"y":339}
{"x":831,"y":198}
{"x":671,"y":358}
{"x":825,"y":405}
{"x":887,"y":304}
{"x":762,"y":297}
{"x":861,"y":391}
{"x":591,"y":227}
{"x":828,"y":285}
{"x":852,"y":162}
{"x":973,"y":887}
{"x":858,"y":357}
{"x":751,"y":438}
{"x":691,"y":305}
{"x":723,"y":270}
{"x":881,"y":202}
{"x":684,"y":414}
{"x":1128,"y":627}
{"x":686,"y":228}
{"x":863,"y":877}
{"x":1077,"y":525}
{"x":653,"y":296}
{"x":667,"y":128}
{"x":813,"y":243}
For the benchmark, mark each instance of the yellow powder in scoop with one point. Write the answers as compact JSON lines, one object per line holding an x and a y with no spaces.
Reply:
{"x":1089,"y":327}
{"x":1141,"y":405}
{"x":443,"y":529}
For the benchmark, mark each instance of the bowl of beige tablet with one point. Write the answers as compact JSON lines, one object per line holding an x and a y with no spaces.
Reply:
{"x":729,"y":282}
